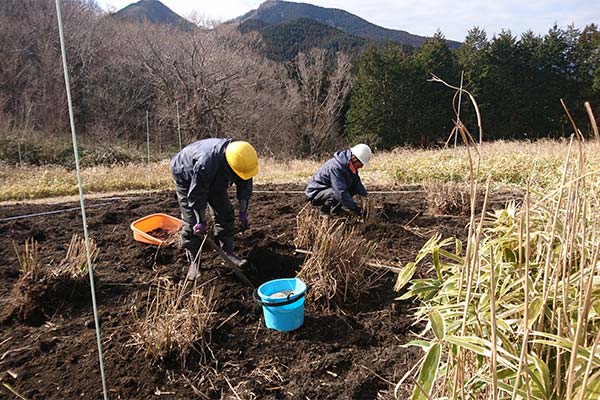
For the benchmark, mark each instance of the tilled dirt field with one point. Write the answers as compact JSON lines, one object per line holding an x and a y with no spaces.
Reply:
{"x":354,"y":353}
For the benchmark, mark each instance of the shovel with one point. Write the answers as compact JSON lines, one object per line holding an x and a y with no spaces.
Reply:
{"x":232,"y":263}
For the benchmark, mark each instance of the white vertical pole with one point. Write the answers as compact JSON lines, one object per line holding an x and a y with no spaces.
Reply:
{"x":81,"y":202}
{"x":178,"y":125}
{"x":148,"y":136}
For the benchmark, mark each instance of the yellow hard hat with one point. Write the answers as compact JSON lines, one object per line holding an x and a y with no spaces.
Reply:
{"x":242,"y":159}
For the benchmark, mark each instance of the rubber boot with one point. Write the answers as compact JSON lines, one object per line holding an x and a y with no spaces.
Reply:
{"x":325,"y":210}
{"x":193,"y":270}
{"x":337,"y":210}
{"x":227,"y":246}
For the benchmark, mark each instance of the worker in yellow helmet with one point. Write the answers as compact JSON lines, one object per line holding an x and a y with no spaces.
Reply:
{"x":202,"y":172}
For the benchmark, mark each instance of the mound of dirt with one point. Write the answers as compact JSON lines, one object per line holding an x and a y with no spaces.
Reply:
{"x":354,"y":353}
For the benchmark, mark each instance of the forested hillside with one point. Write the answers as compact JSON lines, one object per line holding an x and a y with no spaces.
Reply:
{"x":283,"y":42}
{"x":129,"y":77}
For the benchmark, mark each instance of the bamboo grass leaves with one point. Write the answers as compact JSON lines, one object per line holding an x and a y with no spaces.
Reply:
{"x":526,"y":325}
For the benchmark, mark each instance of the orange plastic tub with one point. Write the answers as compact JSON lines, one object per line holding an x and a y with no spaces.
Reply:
{"x":142,"y":226}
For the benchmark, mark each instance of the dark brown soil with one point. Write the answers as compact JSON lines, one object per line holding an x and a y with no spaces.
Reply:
{"x":161,"y":234}
{"x":355,"y":353}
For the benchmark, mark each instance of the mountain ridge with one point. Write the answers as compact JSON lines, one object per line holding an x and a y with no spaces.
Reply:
{"x":280,"y":11}
{"x":153,"y":11}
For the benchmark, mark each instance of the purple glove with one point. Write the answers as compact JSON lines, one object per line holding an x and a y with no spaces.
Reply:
{"x":199,"y":229}
{"x":244,"y":220}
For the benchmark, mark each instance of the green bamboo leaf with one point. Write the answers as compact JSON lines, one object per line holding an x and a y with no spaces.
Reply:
{"x":437,"y":323}
{"x":428,"y":374}
{"x":535,"y":309}
{"x":507,"y":344}
{"x":405,"y":296}
{"x":435,"y":254}
{"x":405,"y":275}
{"x":483,"y":347}
{"x":505,"y":373}
{"x":458,"y":246}
{"x":592,"y":390}
{"x":474,"y":344}
{"x":541,"y":376}
{"x":522,"y":394}
{"x":457,"y":259}
{"x":428,"y":247}
{"x":423,"y":344}
{"x":565,"y":344}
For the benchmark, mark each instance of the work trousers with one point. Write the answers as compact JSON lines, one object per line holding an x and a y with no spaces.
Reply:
{"x":327,"y":202}
{"x":223,"y":218}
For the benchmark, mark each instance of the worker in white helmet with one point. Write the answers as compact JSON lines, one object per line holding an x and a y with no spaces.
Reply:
{"x":334,"y":184}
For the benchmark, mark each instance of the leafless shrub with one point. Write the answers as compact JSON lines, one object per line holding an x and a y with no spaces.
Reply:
{"x":336,"y":269}
{"x":175,"y":321}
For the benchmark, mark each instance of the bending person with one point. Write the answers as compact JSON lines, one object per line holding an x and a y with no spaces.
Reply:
{"x":202,"y":172}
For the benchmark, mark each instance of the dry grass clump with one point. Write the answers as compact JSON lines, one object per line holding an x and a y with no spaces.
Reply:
{"x":74,"y":265}
{"x":43,"y":289}
{"x":176,"y":321}
{"x":336,"y":269}
{"x":450,"y":198}
{"x":370,"y":210}
{"x":29,"y":260}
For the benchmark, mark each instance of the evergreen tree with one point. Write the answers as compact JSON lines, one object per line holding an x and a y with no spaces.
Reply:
{"x":471,"y":58}
{"x":587,"y":50}
{"x":536,"y":104}
{"x":501,"y":92}
{"x":376,"y":103}
{"x":434,"y":101}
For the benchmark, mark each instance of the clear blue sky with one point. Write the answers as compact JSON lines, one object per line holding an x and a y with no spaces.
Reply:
{"x":422,"y":17}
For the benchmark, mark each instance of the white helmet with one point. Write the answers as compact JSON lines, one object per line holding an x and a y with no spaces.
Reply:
{"x":362,"y":152}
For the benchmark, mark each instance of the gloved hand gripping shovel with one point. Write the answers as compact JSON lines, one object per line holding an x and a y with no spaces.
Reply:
{"x":232,"y":263}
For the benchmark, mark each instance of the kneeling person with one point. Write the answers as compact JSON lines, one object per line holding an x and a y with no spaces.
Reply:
{"x":338,"y":180}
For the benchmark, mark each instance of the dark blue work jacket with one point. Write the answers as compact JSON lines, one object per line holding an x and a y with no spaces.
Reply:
{"x":202,"y":168}
{"x":336,"y":174}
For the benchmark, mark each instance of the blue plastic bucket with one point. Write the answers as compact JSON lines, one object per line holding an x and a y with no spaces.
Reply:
{"x":282,"y":302}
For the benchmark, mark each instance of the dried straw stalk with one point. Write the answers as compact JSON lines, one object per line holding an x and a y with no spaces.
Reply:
{"x":175,"y":322}
{"x":337,"y":267}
